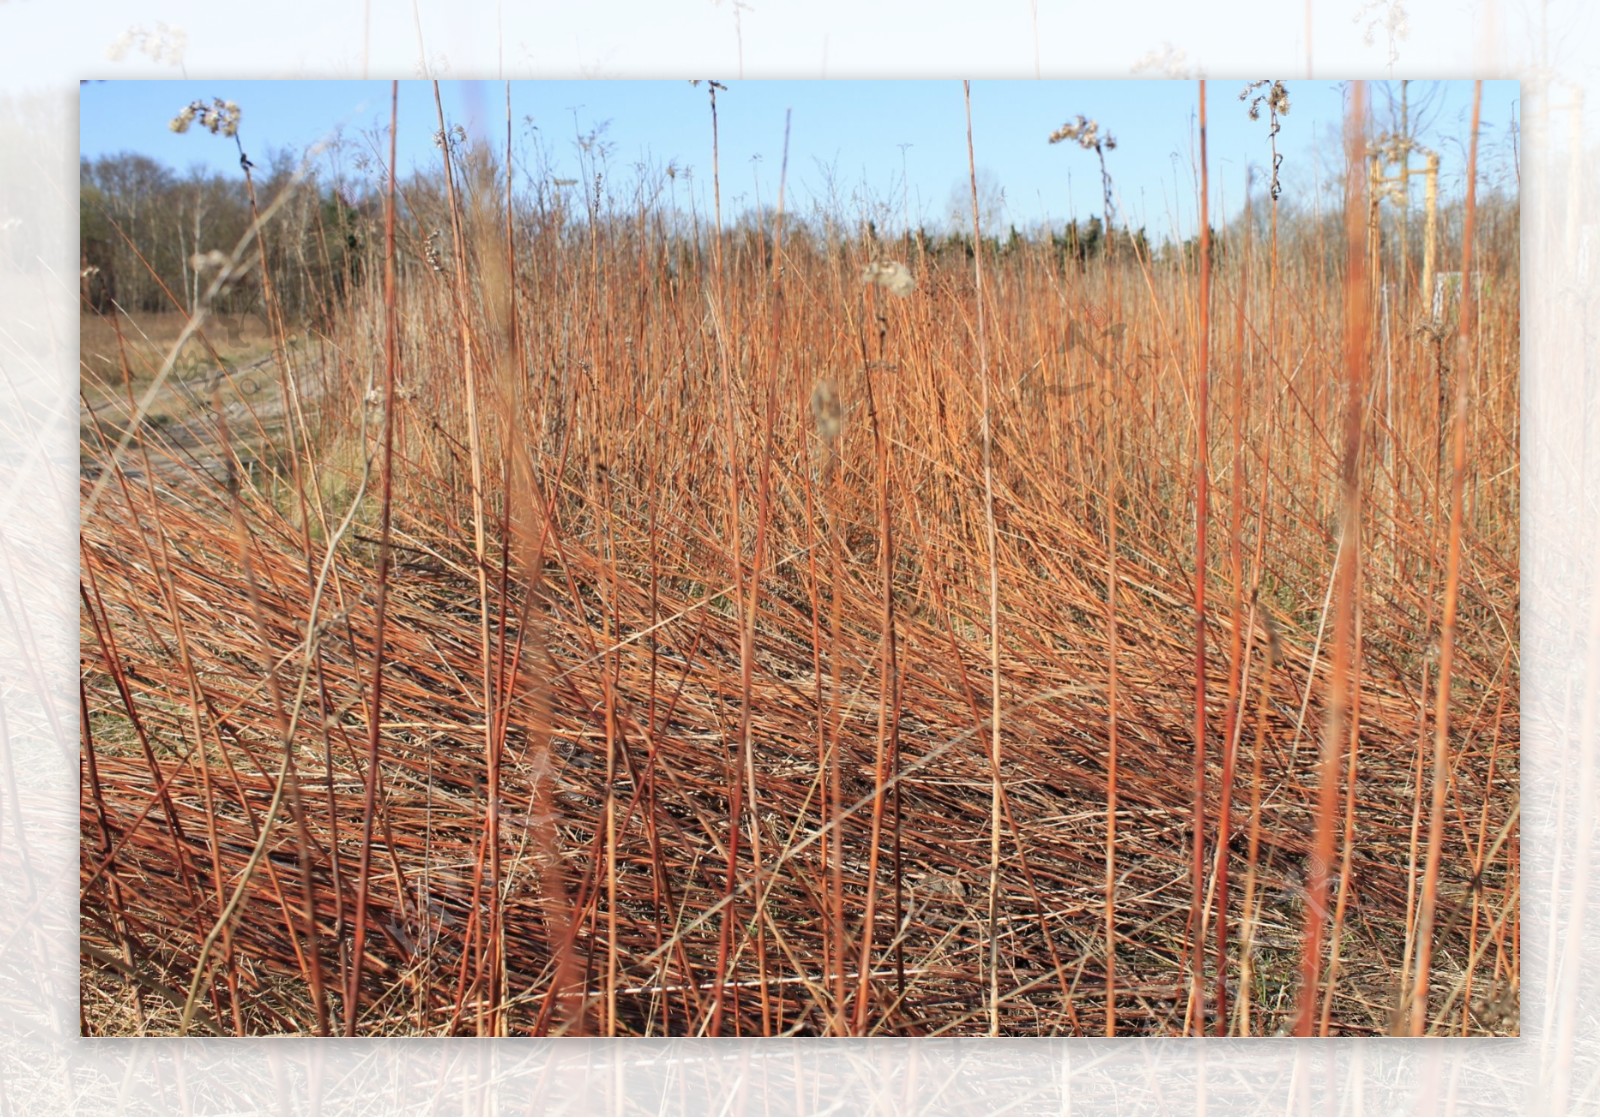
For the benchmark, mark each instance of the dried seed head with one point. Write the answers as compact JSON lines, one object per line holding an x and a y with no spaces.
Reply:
{"x":431,"y":250}
{"x":164,"y":44}
{"x":826,"y":411}
{"x":452,"y":139}
{"x":1387,"y":16}
{"x":1169,"y":61}
{"x":1274,"y":641}
{"x":1276,"y":98}
{"x":1085,"y":133}
{"x":891,"y":275}
{"x":219,"y":117}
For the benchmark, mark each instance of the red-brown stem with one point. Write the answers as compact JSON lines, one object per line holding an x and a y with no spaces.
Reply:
{"x":1357,"y":330}
{"x":1480,"y":858}
{"x":832,"y":947}
{"x":514,"y":367}
{"x":1452,"y":588}
{"x":748,"y":629}
{"x":1347,"y":839}
{"x":469,"y":376}
{"x":888,"y":701}
{"x":1195,"y":1020}
{"x":1236,"y":651}
{"x":836,"y":545}
{"x":1111,"y":713}
{"x":1108,"y":401}
{"x":352,"y":1003}
{"x":996,"y":805}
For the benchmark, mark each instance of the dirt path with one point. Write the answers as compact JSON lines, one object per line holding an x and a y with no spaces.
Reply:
{"x":184,"y":421}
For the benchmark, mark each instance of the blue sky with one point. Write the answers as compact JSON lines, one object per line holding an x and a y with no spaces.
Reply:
{"x":900,"y":145}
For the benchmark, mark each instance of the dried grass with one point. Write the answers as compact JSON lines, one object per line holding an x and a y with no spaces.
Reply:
{"x":658,"y":691}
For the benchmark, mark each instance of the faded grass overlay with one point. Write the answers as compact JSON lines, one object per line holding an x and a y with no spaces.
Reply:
{"x":623,"y":621}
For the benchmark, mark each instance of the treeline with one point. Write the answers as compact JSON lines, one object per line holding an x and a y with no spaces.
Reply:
{"x":146,"y":232}
{"x":147,"y":236}
{"x":1315,"y":240}
{"x":1075,"y":243}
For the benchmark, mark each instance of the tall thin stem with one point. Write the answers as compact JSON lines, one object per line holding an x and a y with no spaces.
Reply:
{"x":1452,"y":590}
{"x":352,"y":1002}
{"x":1202,"y":473}
{"x":1357,"y":338}
{"x":996,"y":805}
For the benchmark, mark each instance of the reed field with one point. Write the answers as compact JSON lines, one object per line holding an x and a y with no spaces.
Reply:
{"x":597,"y":623}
